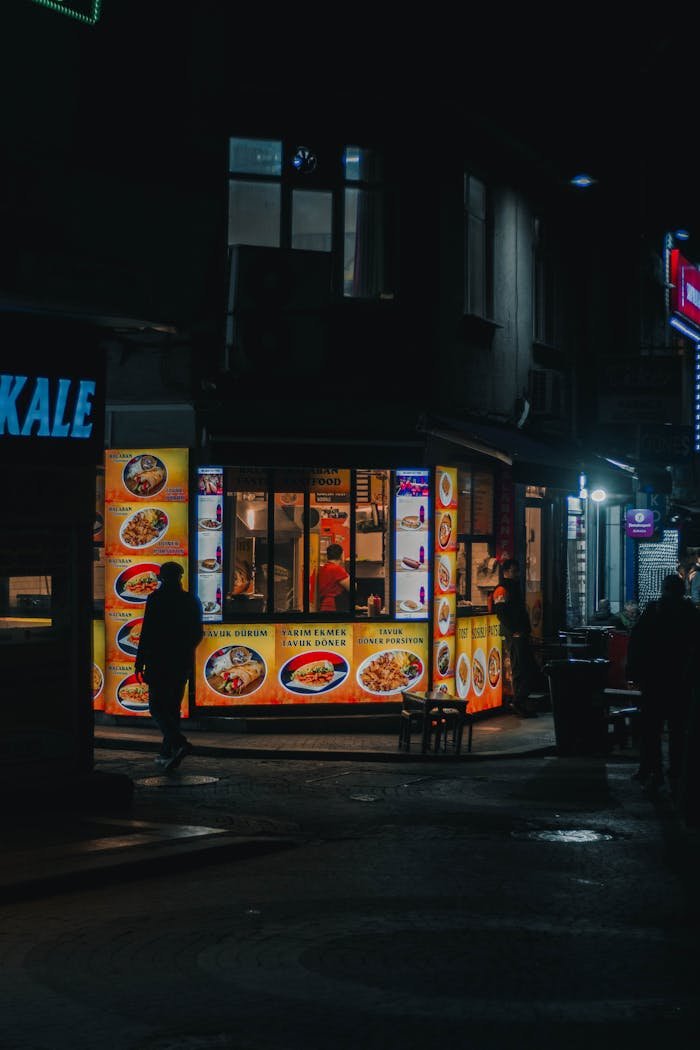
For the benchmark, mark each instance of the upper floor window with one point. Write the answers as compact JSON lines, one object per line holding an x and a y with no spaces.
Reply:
{"x":543,"y":285}
{"x":363,"y":224}
{"x":477,"y":252}
{"x":284,"y":196}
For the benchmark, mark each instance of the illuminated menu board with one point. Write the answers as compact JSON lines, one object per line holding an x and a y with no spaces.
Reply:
{"x":210,"y":530}
{"x":246,"y":664}
{"x":445,"y":579}
{"x":479,"y":666}
{"x":98,"y":665}
{"x":146,"y":496}
{"x":412,"y":544}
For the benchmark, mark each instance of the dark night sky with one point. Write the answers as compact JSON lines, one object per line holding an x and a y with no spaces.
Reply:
{"x":579,"y":92}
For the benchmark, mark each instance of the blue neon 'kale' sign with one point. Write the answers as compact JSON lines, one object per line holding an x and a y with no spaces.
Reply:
{"x":39,"y":407}
{"x":87,"y":11}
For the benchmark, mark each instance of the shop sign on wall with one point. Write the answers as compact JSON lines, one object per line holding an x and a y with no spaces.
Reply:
{"x":307,"y":663}
{"x":639,"y":523}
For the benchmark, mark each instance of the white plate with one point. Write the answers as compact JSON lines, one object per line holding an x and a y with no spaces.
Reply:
{"x":446,"y":534}
{"x":462,"y":675}
{"x":409,"y":684}
{"x":410,"y":606}
{"x":204,"y":524}
{"x":214,"y":568}
{"x":445,"y":489}
{"x":137,"y":464}
{"x":445,"y":563}
{"x":149,"y":543}
{"x":299,"y":660}
{"x":479,"y":658}
{"x":210,"y":608}
{"x":99,"y":678}
{"x":221,"y":660}
{"x":495,"y":653}
{"x":443,"y":616}
{"x":409,"y":527}
{"x":442,"y":648}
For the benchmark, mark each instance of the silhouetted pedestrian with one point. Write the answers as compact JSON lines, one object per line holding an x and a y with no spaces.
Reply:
{"x":171,"y":631}
{"x":511,"y":610}
{"x":662,"y":649}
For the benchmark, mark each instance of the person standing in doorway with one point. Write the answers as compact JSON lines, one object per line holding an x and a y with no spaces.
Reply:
{"x":511,"y":610}
{"x":170,"y":633}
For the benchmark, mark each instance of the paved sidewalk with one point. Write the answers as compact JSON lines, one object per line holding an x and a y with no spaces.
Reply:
{"x":502,"y":735}
{"x":59,"y":844}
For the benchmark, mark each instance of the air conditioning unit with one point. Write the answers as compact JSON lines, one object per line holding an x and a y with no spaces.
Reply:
{"x":546,"y":393}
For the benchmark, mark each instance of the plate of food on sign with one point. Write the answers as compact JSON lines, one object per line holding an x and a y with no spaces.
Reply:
{"x":129,"y":635}
{"x":144,"y":528}
{"x":132,"y":694}
{"x":316,"y":671}
{"x":145,"y":475}
{"x":134,"y":584}
{"x":390,"y":671}
{"x":235,"y":670}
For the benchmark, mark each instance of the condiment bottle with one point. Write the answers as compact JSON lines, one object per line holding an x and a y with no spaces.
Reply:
{"x":421,"y":513}
{"x":421,"y":555}
{"x":422,"y":595}
{"x":218,"y":512}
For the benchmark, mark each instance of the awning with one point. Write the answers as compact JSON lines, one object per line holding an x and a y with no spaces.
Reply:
{"x":533,"y":460}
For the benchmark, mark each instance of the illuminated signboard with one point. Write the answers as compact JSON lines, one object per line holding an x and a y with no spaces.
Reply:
{"x":146,"y":524}
{"x":412,"y":544}
{"x":87,"y":11}
{"x":38,"y":407}
{"x":309,"y":663}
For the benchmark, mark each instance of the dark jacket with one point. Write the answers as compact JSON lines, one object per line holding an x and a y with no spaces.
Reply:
{"x":663,"y":646}
{"x":171,"y":630}
{"x":510,"y":608}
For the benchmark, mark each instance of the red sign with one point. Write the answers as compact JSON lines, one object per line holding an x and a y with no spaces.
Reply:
{"x":685,"y":293}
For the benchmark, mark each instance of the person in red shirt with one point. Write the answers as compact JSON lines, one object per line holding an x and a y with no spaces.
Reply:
{"x":333,"y":579}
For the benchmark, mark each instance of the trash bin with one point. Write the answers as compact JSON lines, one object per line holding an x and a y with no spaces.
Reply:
{"x":576,"y":691}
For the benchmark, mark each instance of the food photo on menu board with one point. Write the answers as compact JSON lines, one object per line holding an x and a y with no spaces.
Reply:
{"x":412,"y":544}
{"x":146,"y":474}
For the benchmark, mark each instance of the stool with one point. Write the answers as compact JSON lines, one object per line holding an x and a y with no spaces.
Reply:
{"x":623,"y":722}
{"x":447,"y":729}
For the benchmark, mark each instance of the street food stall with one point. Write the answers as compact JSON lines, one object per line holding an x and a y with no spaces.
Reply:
{"x":414,"y":615}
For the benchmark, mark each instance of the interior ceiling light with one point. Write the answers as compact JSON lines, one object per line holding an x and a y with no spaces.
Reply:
{"x":582,"y":180}
{"x":682,"y":235}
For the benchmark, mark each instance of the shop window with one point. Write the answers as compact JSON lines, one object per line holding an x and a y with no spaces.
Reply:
{"x":372,"y":537}
{"x":288,"y":551}
{"x":477,"y":567}
{"x":329,"y":535}
{"x":25,"y":601}
{"x":312,"y":214}
{"x":478,"y":283}
{"x":248,"y":552}
{"x":282,"y":196}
